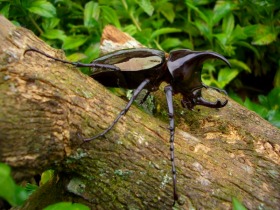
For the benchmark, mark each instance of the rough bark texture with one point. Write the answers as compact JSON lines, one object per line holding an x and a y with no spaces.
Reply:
{"x":220,"y":154}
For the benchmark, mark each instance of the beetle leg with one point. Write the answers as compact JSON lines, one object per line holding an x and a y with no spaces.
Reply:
{"x":168,"y":93}
{"x":134,"y":96}
{"x":77,"y":64}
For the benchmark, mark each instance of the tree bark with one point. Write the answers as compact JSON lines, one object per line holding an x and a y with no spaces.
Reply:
{"x":47,"y":105}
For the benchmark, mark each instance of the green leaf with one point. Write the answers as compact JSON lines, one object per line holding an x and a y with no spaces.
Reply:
{"x":110,"y":15}
{"x":236,"y":205}
{"x":265,"y":39}
{"x":54,"y":34}
{"x":204,"y":29}
{"x":42,"y":8}
{"x":222,"y":8}
{"x":67,"y":205}
{"x":228,"y":24}
{"x":273,"y":116}
{"x":147,"y":6}
{"x":170,"y":43}
{"x":46,"y":176}
{"x":167,"y":10}
{"x":72,"y":42}
{"x":262,"y":34}
{"x":226,"y":75}
{"x":50,"y":23}
{"x":5,"y":10}
{"x":274,"y":98}
{"x":263,"y":101}
{"x":238,"y":33}
{"x":240,"y":64}
{"x":91,"y":14}
{"x":76,"y":57}
{"x":164,"y":31}
{"x":12,"y":193}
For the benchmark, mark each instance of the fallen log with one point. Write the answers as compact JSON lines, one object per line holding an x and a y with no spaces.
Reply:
{"x":47,"y":105}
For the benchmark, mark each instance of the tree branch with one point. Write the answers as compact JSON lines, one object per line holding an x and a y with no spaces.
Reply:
{"x":220,"y":154}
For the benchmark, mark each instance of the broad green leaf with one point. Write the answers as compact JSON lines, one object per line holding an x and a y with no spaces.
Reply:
{"x":228,"y":24}
{"x":147,"y":6}
{"x":238,"y":33}
{"x":67,"y":205}
{"x":240,"y":64}
{"x":130,"y":29}
{"x":236,"y":205}
{"x":91,"y":14}
{"x":164,"y":31}
{"x":46,"y":176}
{"x":222,"y":38}
{"x":5,"y":11}
{"x":274,"y":98}
{"x":50,"y":23}
{"x":72,"y":42}
{"x":54,"y":34}
{"x":251,"y":30}
{"x":273,"y":116}
{"x":222,"y":8}
{"x":110,"y":15}
{"x":12,"y":193}
{"x":263,"y":101}
{"x":76,"y":57}
{"x":42,"y":8}
{"x":167,"y":10}
{"x":226,"y":75}
{"x":265,"y":39}
{"x":262,"y":34}
{"x":187,"y":44}
{"x":170,"y":43}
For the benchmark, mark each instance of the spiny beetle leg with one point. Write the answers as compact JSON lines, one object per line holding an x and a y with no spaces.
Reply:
{"x":134,"y":96}
{"x":168,"y":93}
{"x":77,"y":64}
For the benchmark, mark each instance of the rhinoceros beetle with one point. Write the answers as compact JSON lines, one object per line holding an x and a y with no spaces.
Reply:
{"x":145,"y":68}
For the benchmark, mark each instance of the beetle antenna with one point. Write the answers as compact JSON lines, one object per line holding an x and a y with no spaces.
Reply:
{"x":77,"y":64}
{"x":168,"y":93}
{"x":124,"y":111}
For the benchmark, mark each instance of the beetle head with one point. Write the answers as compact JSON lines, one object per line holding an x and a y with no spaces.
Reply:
{"x":185,"y":66}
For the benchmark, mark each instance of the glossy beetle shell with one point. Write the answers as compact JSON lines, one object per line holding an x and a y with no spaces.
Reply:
{"x":135,"y":66}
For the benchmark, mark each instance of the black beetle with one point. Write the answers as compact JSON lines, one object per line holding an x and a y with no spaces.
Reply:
{"x":145,"y":68}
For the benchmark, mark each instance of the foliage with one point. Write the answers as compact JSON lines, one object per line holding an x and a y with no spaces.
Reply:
{"x":268,"y":106}
{"x":67,"y":206}
{"x":15,"y":195}
{"x":237,"y":205}
{"x":245,"y":31}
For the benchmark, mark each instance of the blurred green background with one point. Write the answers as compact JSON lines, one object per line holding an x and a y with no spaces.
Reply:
{"x":244,"y":31}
